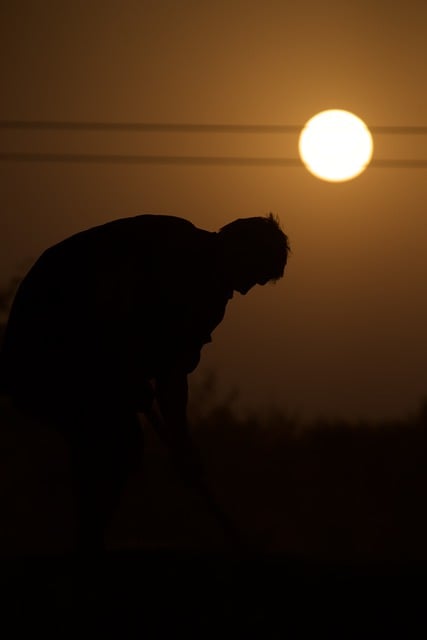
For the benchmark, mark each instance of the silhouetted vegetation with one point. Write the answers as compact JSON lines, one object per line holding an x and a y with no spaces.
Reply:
{"x":330,"y":491}
{"x":7,"y":292}
{"x":337,"y":490}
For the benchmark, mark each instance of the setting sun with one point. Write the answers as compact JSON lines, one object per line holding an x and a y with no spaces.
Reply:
{"x":335,"y":145}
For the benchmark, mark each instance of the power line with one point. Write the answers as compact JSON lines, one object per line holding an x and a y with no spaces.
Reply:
{"x":146,"y":127}
{"x":164,"y":127}
{"x":387,"y":163}
{"x":147,"y":159}
{"x":82,"y":158}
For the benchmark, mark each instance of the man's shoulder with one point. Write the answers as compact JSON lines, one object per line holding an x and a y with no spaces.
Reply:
{"x":162,"y":224}
{"x":163,"y":239}
{"x":146,"y":224}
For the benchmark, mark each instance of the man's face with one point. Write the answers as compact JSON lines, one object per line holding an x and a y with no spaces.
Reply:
{"x":245,"y":283}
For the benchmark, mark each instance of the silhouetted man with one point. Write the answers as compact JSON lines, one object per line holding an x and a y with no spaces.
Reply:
{"x":113,"y":319}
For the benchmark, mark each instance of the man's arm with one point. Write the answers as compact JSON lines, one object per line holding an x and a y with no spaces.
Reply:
{"x":169,"y":418}
{"x":171,"y":425}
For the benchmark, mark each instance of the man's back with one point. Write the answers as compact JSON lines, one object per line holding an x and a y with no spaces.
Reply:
{"x":110,"y":307}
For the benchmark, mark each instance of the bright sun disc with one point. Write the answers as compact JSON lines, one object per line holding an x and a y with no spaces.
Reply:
{"x":335,"y":145}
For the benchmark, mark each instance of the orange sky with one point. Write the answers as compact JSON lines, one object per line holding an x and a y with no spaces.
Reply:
{"x":344,"y":333}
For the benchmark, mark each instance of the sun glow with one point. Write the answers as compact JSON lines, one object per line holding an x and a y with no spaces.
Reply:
{"x":335,"y":145}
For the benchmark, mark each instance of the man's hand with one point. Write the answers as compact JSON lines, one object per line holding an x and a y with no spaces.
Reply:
{"x":188,"y":463}
{"x":184,"y":457}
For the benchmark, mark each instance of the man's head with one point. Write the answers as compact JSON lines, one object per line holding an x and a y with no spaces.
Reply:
{"x":253,"y":251}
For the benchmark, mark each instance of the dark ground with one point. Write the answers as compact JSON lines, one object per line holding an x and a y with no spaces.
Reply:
{"x":335,"y":518}
{"x":169,"y":594}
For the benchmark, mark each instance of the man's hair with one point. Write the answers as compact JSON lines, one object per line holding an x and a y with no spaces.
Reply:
{"x":262,"y":240}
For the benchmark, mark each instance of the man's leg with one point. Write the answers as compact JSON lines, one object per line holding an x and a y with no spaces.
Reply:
{"x":105,"y":448}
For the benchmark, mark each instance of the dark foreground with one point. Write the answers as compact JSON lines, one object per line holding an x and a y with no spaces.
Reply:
{"x":169,"y":594}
